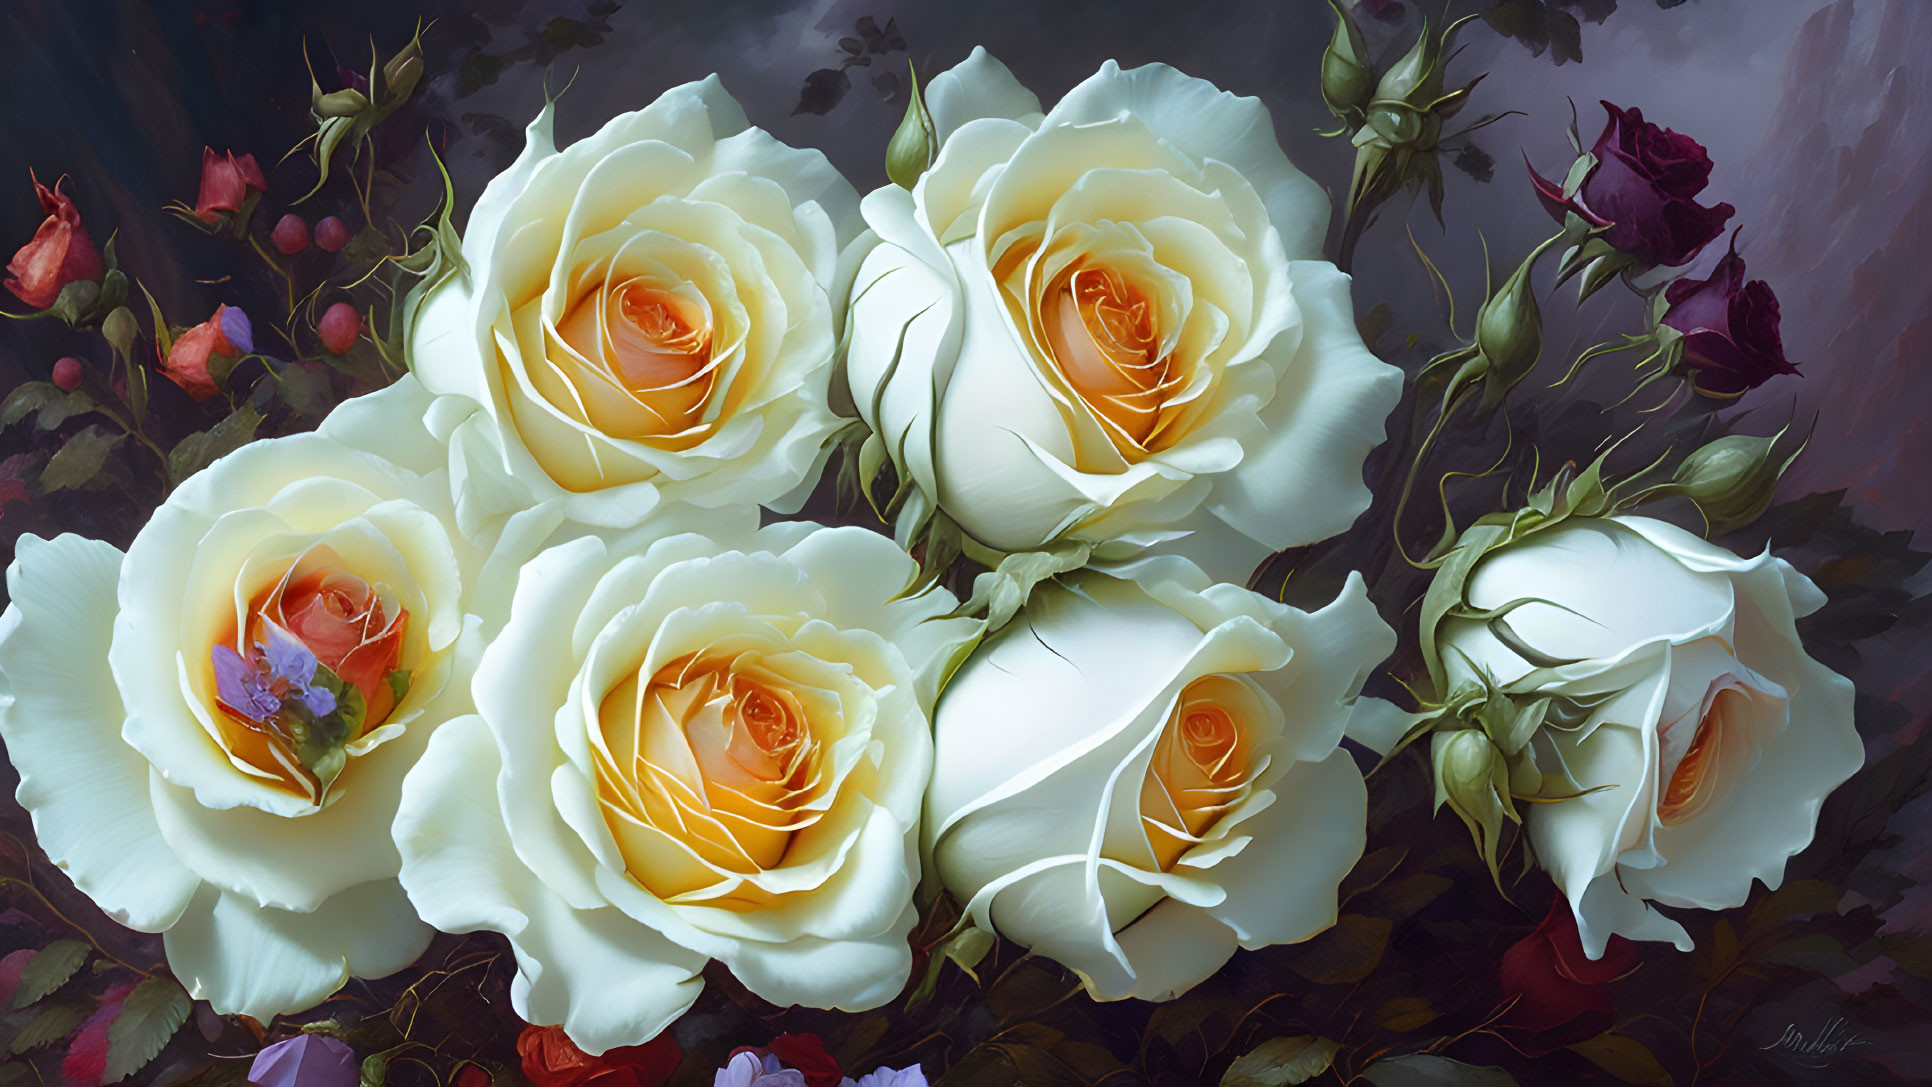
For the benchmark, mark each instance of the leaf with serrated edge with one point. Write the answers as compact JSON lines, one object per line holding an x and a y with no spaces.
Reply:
{"x":149,"y":1017}
{"x":48,"y":970}
{"x":1281,"y":1062}
{"x":49,"y":1024}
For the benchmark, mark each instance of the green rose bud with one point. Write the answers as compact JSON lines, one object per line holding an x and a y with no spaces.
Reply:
{"x":120,"y":329}
{"x":916,"y":143}
{"x":1473,"y":777}
{"x":1348,"y":76}
{"x":346,"y":102}
{"x":1731,"y":479}
{"x":1509,"y":330}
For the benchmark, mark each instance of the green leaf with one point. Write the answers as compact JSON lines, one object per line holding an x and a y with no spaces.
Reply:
{"x":68,"y":405}
{"x":49,"y":1024}
{"x":17,"y":1074}
{"x":1425,"y":1070}
{"x":1404,"y":1014}
{"x":48,"y":970}
{"x":1625,"y":1058}
{"x":163,"y":339}
{"x":197,"y":451}
{"x":966,"y":946}
{"x":1279,"y":1062}
{"x":1345,"y":953}
{"x":27,"y":398}
{"x":1001,"y":592}
{"x":398,"y":682}
{"x":76,"y":301}
{"x":149,"y":1017}
{"x":80,"y":460}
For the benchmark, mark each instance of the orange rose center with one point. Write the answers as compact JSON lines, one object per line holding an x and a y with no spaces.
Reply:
{"x":1200,"y":769}
{"x":704,"y":771}
{"x":655,"y":349}
{"x":1103,"y":333}
{"x":1690,"y":784}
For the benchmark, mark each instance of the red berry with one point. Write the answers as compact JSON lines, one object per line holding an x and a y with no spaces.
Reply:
{"x":339,"y":327}
{"x":67,"y":374}
{"x":331,"y":235}
{"x":291,"y":235}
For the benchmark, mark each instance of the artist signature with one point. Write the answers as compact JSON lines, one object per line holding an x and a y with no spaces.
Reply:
{"x":1819,"y":1048}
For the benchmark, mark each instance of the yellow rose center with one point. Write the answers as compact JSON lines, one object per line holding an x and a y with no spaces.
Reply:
{"x":1200,"y":769}
{"x":706,"y":769}
{"x":654,"y":346}
{"x":1692,"y":782}
{"x":1104,"y":337}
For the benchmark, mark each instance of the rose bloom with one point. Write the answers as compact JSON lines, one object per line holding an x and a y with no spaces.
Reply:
{"x":61,"y":252}
{"x":1730,"y":328}
{"x":550,"y":1059}
{"x":226,"y":181}
{"x":1554,"y":984}
{"x":1688,"y":694}
{"x":1643,"y":188}
{"x":228,"y":333}
{"x":734,"y":741}
{"x":648,"y":316}
{"x":1113,"y":323}
{"x":1140,"y":773}
{"x":212,"y":730}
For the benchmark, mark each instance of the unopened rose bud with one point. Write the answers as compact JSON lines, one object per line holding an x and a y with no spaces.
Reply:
{"x":67,"y":374}
{"x":339,"y":327}
{"x":1731,"y":479}
{"x":913,"y":145}
{"x":1509,"y":330}
{"x":1472,"y":776}
{"x":331,"y":235}
{"x":1348,"y":76}
{"x":120,"y":329}
{"x":291,"y":234}
{"x":343,"y":103}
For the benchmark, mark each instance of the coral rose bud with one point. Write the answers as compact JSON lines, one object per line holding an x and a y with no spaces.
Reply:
{"x":226,"y":181}
{"x":331,"y":235}
{"x":67,"y":374}
{"x":61,"y":252}
{"x":339,"y":327}
{"x":291,"y":234}
{"x":227,"y":334}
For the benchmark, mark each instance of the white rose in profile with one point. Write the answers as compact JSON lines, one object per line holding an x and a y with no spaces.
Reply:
{"x":647,"y":316}
{"x":1140,"y":773}
{"x":1710,"y":736}
{"x":212,"y":730}
{"x":699,"y":741}
{"x":1112,"y":323}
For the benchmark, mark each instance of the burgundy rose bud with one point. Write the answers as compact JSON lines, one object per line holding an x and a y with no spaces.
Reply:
{"x":1641,"y":192}
{"x":227,"y":334}
{"x":291,"y":234}
{"x":67,"y":374}
{"x":1730,"y":328}
{"x":331,"y":235}
{"x":226,"y":180}
{"x":60,"y":253}
{"x":339,"y":327}
{"x":1553,"y":982}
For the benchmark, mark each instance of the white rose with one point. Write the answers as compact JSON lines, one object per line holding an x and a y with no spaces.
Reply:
{"x":647,"y":316}
{"x":184,"y":755}
{"x":703,"y":741}
{"x":1141,"y":773}
{"x":1113,"y":323}
{"x":1690,"y":697}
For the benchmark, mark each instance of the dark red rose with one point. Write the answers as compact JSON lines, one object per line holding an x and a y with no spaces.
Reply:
{"x":806,"y":1054}
{"x":1730,"y":327}
{"x":551,"y":1059}
{"x":1554,"y":983}
{"x":225,"y":182}
{"x":1642,"y":191}
{"x":60,"y":253}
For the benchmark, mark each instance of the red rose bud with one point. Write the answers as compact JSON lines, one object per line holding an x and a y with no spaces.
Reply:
{"x":551,"y":1059}
{"x":228,"y":334}
{"x":225,"y":182}
{"x":339,"y":327}
{"x":472,"y":1075}
{"x":1641,"y":192}
{"x":60,"y":253}
{"x":1553,"y":982}
{"x":67,"y":374}
{"x":331,"y":235}
{"x":806,"y":1054}
{"x":291,"y":235}
{"x":1731,"y":340}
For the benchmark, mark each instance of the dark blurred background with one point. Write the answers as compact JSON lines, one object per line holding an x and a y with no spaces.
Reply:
{"x":1817,"y":113}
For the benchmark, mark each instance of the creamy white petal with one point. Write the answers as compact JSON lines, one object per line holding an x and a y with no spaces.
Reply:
{"x":1283,"y":887}
{"x":61,"y":717}
{"x":251,"y":960}
{"x":979,"y":86}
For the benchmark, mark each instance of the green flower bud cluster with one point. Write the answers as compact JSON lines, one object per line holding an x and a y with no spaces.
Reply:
{"x":347,"y":115}
{"x":1401,"y":126}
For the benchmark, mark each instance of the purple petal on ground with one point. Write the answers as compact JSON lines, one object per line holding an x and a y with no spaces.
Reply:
{"x":306,"y":1060}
